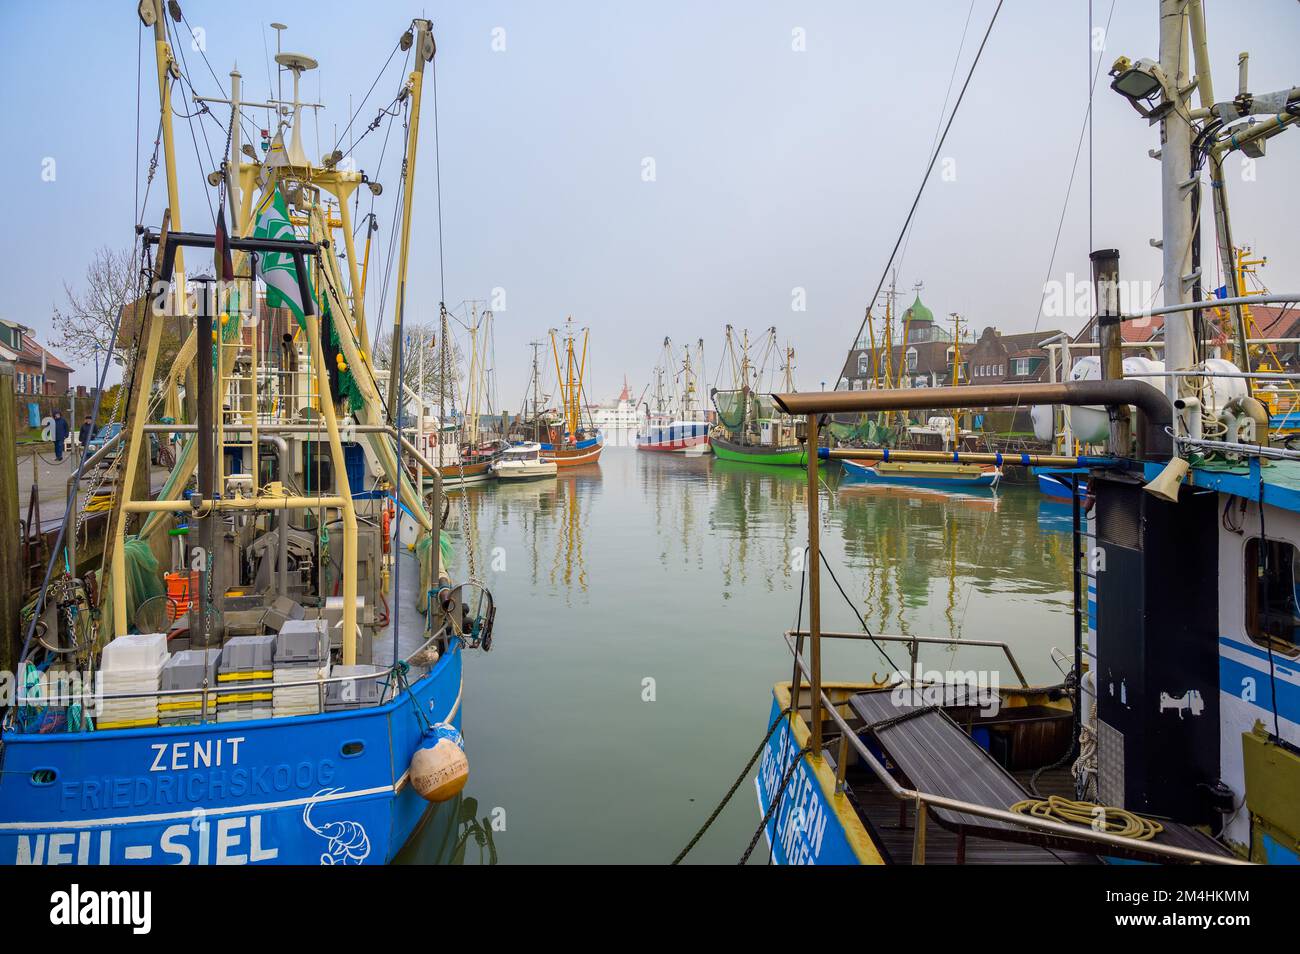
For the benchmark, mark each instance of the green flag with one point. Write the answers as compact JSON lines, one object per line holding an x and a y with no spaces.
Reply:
{"x":277,"y":269}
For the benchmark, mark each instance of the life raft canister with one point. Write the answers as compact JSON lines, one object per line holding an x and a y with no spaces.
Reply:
{"x":439,"y":768}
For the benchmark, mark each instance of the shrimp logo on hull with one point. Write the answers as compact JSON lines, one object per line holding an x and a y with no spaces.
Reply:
{"x":346,"y":842}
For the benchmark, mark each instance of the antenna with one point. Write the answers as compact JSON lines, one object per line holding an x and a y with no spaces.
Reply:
{"x":297,"y":63}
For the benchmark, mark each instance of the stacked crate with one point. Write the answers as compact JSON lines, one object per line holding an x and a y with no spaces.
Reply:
{"x":131,"y":663}
{"x":354,"y":693}
{"x":189,"y":669}
{"x":249,"y":662}
{"x":301,"y":654}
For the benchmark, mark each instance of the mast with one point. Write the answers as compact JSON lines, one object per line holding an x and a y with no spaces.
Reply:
{"x":442,"y":377}
{"x":1176,"y":185}
{"x":146,"y":359}
{"x":537,"y":419}
{"x":424,"y":50}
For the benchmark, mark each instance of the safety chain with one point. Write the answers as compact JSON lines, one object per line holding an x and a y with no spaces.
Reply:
{"x":735,"y":785}
{"x":776,"y":802}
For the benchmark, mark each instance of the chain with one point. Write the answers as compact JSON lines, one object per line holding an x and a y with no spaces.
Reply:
{"x":735,"y":785}
{"x":776,"y":802}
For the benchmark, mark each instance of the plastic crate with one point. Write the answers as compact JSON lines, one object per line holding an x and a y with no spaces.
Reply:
{"x":301,"y":641}
{"x":248,"y":654}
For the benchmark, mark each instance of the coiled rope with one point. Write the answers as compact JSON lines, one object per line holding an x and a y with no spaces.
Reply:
{"x":1103,"y":818}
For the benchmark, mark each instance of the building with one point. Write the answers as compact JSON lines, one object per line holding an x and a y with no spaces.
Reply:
{"x":925,"y":356}
{"x":37,"y":371}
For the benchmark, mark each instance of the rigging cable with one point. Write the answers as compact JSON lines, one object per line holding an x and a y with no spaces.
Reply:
{"x":929,"y":167}
{"x":934,"y":140}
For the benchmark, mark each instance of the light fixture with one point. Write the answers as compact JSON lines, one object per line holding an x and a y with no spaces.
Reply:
{"x":1140,"y":83}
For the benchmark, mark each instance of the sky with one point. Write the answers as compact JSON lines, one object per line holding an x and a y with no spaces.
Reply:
{"x":786,"y":142}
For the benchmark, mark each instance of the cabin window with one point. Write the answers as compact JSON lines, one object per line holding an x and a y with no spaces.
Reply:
{"x":1273,"y":595}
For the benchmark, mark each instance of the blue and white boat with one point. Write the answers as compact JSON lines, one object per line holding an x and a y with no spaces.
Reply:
{"x":266,"y":667}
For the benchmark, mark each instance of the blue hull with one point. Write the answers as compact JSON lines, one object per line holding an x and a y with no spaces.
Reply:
{"x":272,"y":791}
{"x":1057,"y":484}
{"x":856,"y":471}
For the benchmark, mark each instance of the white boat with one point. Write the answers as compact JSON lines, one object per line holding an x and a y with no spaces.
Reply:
{"x":523,"y":462}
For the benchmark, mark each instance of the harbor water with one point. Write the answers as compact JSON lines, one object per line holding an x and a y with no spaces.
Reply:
{"x":641,"y":606}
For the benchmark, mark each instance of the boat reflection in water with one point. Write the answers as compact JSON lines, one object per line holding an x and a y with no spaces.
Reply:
{"x":672,"y":569}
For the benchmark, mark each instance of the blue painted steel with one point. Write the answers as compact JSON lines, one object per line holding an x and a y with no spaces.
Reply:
{"x":269,"y":791}
{"x":805,"y":830}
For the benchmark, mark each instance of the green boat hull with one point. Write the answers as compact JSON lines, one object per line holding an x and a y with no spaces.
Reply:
{"x":757,"y":454}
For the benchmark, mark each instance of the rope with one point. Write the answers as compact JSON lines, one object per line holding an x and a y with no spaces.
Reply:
{"x":776,"y":802}
{"x":1103,"y":818}
{"x":732,"y":791}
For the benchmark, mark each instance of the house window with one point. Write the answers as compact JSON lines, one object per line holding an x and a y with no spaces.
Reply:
{"x":1272,"y":600}
{"x":911,"y":359}
{"x":864,"y":364}
{"x":1019,"y":367}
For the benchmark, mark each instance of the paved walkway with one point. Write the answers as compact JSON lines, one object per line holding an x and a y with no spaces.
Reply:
{"x":51,"y":477}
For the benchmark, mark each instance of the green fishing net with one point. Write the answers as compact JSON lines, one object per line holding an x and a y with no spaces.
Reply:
{"x":730,"y":406}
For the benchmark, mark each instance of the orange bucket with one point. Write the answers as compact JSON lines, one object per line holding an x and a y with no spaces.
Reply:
{"x":179,"y":587}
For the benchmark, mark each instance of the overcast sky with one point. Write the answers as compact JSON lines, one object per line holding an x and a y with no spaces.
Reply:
{"x":787,"y":141}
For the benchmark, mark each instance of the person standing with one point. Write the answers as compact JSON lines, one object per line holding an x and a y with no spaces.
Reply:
{"x":84,"y":434}
{"x":60,"y":435}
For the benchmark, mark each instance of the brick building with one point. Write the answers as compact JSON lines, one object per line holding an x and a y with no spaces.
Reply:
{"x":37,"y":371}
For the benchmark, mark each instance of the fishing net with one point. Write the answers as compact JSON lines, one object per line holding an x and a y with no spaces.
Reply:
{"x":342,"y":383}
{"x":143,"y":579}
{"x":864,"y":431}
{"x":764,"y":406}
{"x":730,"y":406}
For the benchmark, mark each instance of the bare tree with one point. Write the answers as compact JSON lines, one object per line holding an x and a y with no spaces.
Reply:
{"x":420,"y":341}
{"x":111,"y":297}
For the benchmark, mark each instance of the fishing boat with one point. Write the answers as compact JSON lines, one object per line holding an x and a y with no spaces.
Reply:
{"x":522,"y":462}
{"x":569,"y":440}
{"x":677,"y":424}
{"x":267,"y":667}
{"x":750,"y":429}
{"x":455,"y":441}
{"x":1174,"y":736}
{"x":923,"y":473}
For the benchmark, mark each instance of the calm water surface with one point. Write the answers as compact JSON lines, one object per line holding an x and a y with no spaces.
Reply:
{"x":641,"y":604}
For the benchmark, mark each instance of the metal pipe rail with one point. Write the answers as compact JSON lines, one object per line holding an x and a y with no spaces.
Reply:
{"x":915,"y":640}
{"x":301,"y":429}
{"x":963,"y":457}
{"x":22,"y":700}
{"x":201,"y":506}
{"x":1153,"y":404}
{"x":922,"y":800}
{"x":1271,"y":298}
{"x":1249,"y":450}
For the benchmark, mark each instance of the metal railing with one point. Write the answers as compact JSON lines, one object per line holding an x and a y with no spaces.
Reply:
{"x":22,"y":700}
{"x":926,"y":800}
{"x":916,"y":641}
